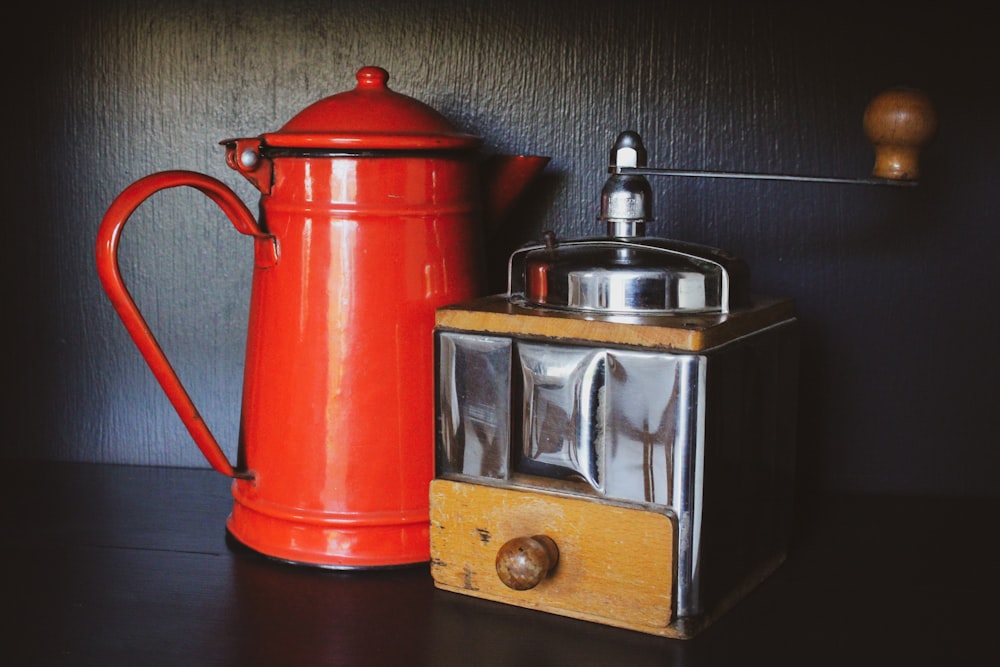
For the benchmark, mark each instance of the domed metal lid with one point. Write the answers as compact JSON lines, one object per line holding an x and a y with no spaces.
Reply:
{"x":370,"y":117}
{"x":634,"y":276}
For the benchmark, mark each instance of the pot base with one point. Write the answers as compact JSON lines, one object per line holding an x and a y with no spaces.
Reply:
{"x":331,"y":545}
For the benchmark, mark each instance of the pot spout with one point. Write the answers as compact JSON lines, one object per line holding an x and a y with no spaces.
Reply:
{"x":505,"y":178}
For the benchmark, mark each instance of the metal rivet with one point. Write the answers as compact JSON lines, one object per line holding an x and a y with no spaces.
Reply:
{"x":248,"y":158}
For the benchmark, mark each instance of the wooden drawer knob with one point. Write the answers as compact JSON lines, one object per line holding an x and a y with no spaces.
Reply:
{"x":523,"y":562}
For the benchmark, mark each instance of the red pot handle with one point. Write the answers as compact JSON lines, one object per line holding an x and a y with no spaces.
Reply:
{"x":108,"y":237}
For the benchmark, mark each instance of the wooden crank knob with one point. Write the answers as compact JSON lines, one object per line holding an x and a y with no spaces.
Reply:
{"x":899,"y":122}
{"x":523,"y":562}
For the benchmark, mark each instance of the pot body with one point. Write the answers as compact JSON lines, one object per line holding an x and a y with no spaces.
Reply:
{"x":353,"y":253}
{"x":337,"y":419}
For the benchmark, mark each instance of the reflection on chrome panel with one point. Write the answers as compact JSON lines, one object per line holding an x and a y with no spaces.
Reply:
{"x":607,"y":418}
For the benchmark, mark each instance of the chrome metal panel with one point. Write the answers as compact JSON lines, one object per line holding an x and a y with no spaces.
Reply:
{"x":563,"y":407}
{"x":642,"y":431}
{"x":687,"y":497}
{"x":474,"y":404}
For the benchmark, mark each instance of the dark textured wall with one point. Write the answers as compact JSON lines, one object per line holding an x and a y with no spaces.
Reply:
{"x":895,"y":287}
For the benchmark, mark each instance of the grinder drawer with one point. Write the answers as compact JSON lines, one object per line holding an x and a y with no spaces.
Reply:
{"x":615,"y":563}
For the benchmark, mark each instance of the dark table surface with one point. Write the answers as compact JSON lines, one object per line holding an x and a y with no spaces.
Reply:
{"x":124,"y":565}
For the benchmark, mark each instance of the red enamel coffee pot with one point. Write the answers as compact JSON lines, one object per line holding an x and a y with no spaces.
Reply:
{"x":372,"y":214}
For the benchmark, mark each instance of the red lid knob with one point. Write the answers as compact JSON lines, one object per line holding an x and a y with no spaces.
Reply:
{"x":372,"y":77}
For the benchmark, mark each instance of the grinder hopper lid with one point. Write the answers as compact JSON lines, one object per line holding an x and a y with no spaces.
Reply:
{"x":627,"y":272}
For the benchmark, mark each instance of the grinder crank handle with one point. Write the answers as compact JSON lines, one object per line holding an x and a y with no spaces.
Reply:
{"x":898,"y":122}
{"x":108,"y":238}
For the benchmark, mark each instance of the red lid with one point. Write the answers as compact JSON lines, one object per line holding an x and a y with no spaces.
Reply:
{"x":370,"y":117}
